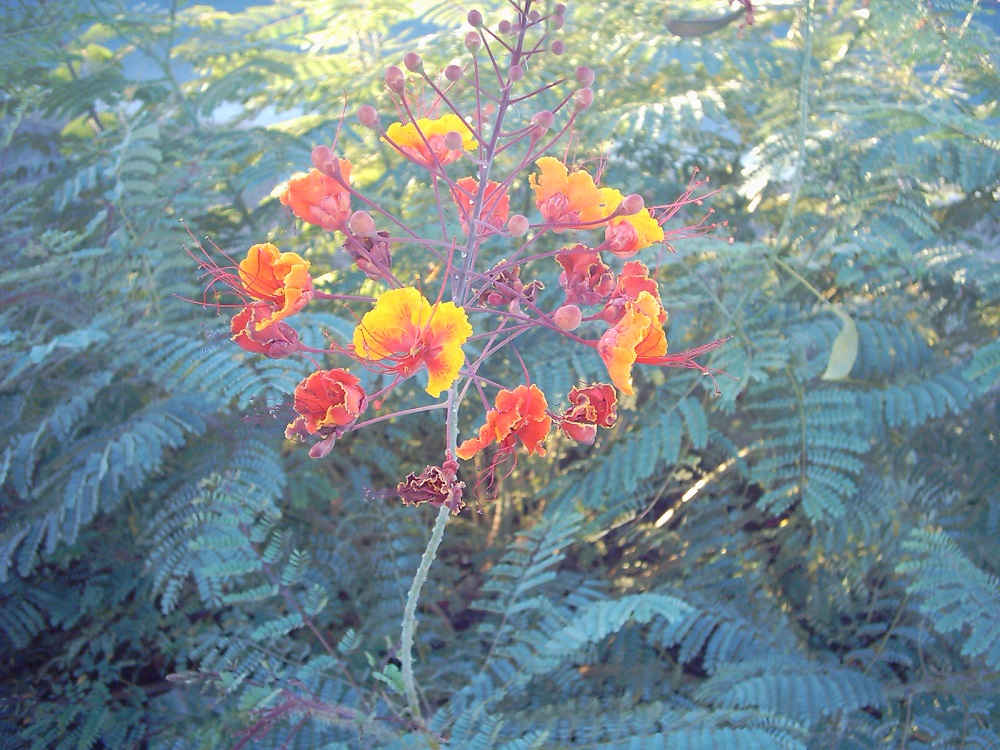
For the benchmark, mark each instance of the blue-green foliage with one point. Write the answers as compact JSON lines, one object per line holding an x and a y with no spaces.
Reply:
{"x":794,"y":563}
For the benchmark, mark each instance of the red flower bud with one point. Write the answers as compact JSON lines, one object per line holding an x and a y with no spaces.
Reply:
{"x":632,"y":204}
{"x":567,"y":317}
{"x":584,"y":75}
{"x":395,"y":79}
{"x":368,"y":116}
{"x":361,"y":224}
{"x":518,"y":225}
{"x":413,"y":62}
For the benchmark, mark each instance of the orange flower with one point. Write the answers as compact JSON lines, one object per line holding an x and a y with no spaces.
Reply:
{"x":424,"y":140}
{"x":405,"y":328}
{"x":638,"y":334}
{"x":328,"y":402}
{"x":319,"y":199}
{"x":496,"y":202}
{"x":275,"y":340}
{"x":627,"y":235}
{"x":280,"y":279}
{"x":519,"y":415}
{"x":592,"y":407}
{"x":564,"y":198}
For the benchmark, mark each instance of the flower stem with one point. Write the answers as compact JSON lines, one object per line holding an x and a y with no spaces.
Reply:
{"x":410,"y":611}
{"x":437,"y":535}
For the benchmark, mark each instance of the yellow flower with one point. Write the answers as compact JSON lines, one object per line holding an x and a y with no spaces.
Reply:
{"x":566,"y":198}
{"x":429,"y":148}
{"x":638,"y":334}
{"x":409,"y":331}
{"x":627,"y":235}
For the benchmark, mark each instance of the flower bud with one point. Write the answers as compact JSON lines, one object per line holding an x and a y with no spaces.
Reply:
{"x":475,"y":19}
{"x":368,"y":116}
{"x":516,"y":73}
{"x":362,"y":224}
{"x":534,"y":15}
{"x":556,"y":22}
{"x":395,"y":79}
{"x":543,"y":120}
{"x":559,"y":9}
{"x":453,"y":73}
{"x":518,"y":225}
{"x":583,"y":99}
{"x":472,"y":41}
{"x":453,"y":141}
{"x":322,"y":159}
{"x":584,"y":75}
{"x":558,"y":47}
{"x":504,"y":27}
{"x":567,"y":317}
{"x":631,"y":204}
{"x":413,"y":62}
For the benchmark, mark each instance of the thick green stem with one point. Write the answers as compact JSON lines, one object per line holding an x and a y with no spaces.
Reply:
{"x":410,"y":611}
{"x":437,"y":535}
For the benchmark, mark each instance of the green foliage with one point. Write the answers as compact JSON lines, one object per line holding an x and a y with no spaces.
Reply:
{"x":797,"y":563}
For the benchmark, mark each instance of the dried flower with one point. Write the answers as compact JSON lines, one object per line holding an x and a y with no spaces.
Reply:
{"x":435,"y":485}
{"x":372,"y":254}
{"x":507,"y":289}
{"x":585,"y":278}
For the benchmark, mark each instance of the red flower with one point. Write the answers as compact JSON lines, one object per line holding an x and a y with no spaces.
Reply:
{"x":585,"y":278}
{"x":592,"y":407}
{"x":435,"y":485}
{"x":519,"y":415}
{"x":328,"y":403}
{"x":632,"y":281}
{"x":320,"y":199}
{"x":496,"y":203}
{"x":274,"y":340}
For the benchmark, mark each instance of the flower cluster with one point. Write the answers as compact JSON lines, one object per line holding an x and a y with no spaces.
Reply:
{"x":488,"y":295}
